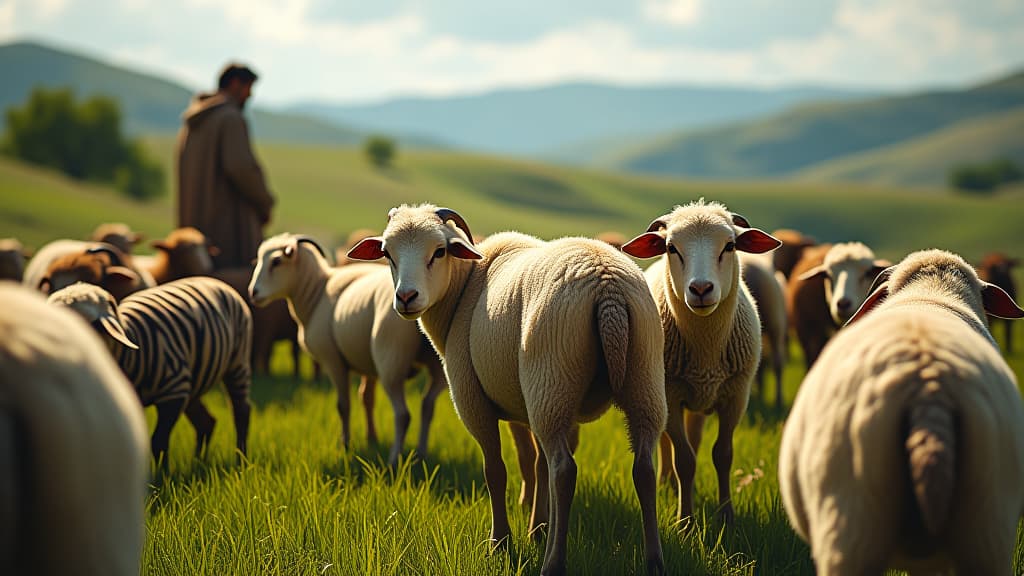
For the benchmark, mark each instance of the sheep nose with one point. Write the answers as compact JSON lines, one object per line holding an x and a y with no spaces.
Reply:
{"x":701,"y":288}
{"x":407,"y":296}
{"x":843,"y":304}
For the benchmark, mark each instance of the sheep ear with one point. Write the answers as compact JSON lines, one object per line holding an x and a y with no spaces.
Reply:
{"x":819,"y":271}
{"x":461,"y":249}
{"x":160,"y":245}
{"x":212,"y":250}
{"x":112,"y":327}
{"x":739,"y":220}
{"x":135,"y":238}
{"x":756,"y":241}
{"x":872,"y":301}
{"x":998,"y":303}
{"x":44,"y":284}
{"x":371,"y":248}
{"x":646,"y":245}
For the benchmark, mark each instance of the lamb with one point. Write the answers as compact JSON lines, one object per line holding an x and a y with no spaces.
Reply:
{"x":997,"y":268}
{"x":766,"y":287}
{"x":12,"y":259}
{"x":346,"y":322}
{"x":711,"y":329}
{"x":175,"y":342}
{"x":73,"y":465}
{"x":905,"y":445}
{"x":547,"y":334}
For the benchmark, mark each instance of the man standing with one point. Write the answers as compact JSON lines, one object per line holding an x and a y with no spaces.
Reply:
{"x":221,"y":189}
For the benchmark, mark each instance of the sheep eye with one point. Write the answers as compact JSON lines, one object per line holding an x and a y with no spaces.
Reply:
{"x":730,"y":247}
{"x":439,"y":253}
{"x":274,"y":262}
{"x":672,"y":249}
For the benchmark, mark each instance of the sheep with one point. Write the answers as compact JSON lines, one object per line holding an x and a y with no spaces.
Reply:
{"x":766,"y":287}
{"x":117,"y":234}
{"x":184,"y":252}
{"x":73,"y":465}
{"x":711,"y":329}
{"x":175,"y":342}
{"x":996,"y":268}
{"x":546,"y":334}
{"x":12,"y":259}
{"x":793,"y":245}
{"x":346,"y":322}
{"x":354,"y":237}
{"x":806,"y":306}
{"x":905,"y":445}
{"x":102,"y":265}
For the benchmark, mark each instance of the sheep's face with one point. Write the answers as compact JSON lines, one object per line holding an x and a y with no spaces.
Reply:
{"x":422,"y":251}
{"x":98,"y":308}
{"x":190,"y":259}
{"x":848,"y":271}
{"x":274,"y":276}
{"x":700,"y":242}
{"x":93,"y":268}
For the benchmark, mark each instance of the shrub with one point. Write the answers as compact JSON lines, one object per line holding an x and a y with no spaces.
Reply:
{"x":984,"y":178}
{"x":380,"y":150}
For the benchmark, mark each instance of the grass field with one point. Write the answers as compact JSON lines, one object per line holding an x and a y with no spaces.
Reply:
{"x":300,"y":505}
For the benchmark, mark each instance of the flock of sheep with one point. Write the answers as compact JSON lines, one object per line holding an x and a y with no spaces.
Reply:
{"x":904,"y":447}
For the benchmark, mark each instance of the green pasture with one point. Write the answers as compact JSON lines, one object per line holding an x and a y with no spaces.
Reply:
{"x":302,"y":505}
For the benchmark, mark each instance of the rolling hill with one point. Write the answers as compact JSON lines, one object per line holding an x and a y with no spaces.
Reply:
{"x":797,"y":139}
{"x":925,"y":161}
{"x":150,"y":105}
{"x":328,"y":191}
{"x":558,"y":121}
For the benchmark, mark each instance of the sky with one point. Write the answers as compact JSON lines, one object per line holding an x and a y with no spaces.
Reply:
{"x":350,"y":51}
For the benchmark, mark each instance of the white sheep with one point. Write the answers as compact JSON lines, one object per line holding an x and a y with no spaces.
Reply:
{"x":73,"y":464}
{"x":905,"y":445}
{"x":543,"y":333}
{"x":346,"y":322}
{"x":712,"y":331}
{"x":767,"y":288}
{"x":848,"y":271}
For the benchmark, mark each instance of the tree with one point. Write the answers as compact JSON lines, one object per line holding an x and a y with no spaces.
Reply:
{"x":983,"y":178}
{"x":380,"y":150}
{"x":83,"y":140}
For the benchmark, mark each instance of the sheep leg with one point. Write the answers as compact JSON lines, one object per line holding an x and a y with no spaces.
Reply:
{"x":337,"y":371}
{"x":664,"y":462}
{"x":562,"y":487}
{"x":167,"y":414}
{"x":721,"y":454}
{"x":437,"y":383}
{"x":496,"y":477}
{"x":645,"y":482}
{"x":238,"y":381}
{"x":539,"y":512}
{"x":367,"y":395}
{"x":526,"y":451}
{"x":778,"y":363}
{"x":684,"y":460}
{"x":394,"y":385}
{"x":203,"y":423}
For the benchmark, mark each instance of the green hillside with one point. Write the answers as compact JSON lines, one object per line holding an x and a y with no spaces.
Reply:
{"x":807,"y":135}
{"x":925,"y":161}
{"x":150,"y":104}
{"x":328,"y":191}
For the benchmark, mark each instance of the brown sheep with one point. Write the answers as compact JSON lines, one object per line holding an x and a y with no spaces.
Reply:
{"x":12,"y":259}
{"x":806,"y":304}
{"x":117,"y":234}
{"x":996,"y":268}
{"x":184,"y":252}
{"x":793,"y":245}
{"x":102,"y":265}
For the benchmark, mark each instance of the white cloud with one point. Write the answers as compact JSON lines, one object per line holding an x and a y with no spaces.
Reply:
{"x":680,"y":13}
{"x":7,"y":29}
{"x":49,"y":9}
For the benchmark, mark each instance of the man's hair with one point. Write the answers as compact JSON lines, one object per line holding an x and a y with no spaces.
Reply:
{"x":234,"y":70}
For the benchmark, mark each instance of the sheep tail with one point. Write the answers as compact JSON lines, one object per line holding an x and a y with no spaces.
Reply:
{"x":931,"y":452}
{"x":613,"y":328}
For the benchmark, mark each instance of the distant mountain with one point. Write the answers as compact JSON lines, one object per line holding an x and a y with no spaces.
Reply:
{"x":560,"y":121}
{"x":785,"y":143}
{"x":150,"y":105}
{"x":926,"y":160}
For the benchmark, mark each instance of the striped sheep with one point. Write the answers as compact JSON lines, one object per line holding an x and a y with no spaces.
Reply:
{"x":711,"y":328}
{"x":997,"y":268}
{"x":905,"y":445}
{"x":73,"y":466}
{"x":175,"y":342}
{"x":548,"y":334}
{"x":12,"y":259}
{"x":346,"y":323}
